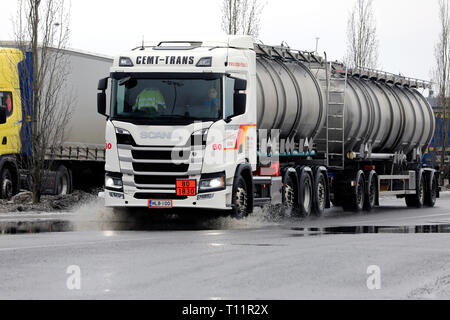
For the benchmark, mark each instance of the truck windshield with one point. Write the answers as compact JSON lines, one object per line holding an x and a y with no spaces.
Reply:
{"x":166,"y":99}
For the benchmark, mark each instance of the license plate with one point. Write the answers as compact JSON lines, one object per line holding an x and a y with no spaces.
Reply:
{"x":160,"y":204}
{"x":186,"y":187}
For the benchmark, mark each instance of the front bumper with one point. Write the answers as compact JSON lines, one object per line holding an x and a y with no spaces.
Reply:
{"x":219,"y":200}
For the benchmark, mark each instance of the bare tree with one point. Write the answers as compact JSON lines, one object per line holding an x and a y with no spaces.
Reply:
{"x":442,"y":75}
{"x":242,"y":17}
{"x":42,"y":33}
{"x":362,"y":42}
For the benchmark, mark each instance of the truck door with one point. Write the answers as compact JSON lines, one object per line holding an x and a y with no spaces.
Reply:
{"x":9,"y":132}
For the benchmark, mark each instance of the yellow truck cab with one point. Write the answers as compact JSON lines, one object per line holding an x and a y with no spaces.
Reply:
{"x":10,"y":102}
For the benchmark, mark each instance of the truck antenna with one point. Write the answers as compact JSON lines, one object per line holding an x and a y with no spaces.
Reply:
{"x":143,"y":47}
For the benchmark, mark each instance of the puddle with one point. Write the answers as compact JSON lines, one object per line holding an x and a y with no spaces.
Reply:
{"x":35,"y":227}
{"x":372,"y":230}
{"x":142,"y":221}
{"x":120,"y":222}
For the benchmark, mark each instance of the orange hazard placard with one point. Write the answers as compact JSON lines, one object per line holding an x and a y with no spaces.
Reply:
{"x":186,"y":187}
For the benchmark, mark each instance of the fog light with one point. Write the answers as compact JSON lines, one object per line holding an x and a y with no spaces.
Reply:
{"x":116,"y":195}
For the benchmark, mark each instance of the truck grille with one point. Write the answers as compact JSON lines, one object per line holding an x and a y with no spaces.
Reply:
{"x":169,"y":180}
{"x":160,"y":167}
{"x":153,"y":172}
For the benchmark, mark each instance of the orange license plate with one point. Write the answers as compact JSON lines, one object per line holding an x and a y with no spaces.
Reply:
{"x":186,"y":187}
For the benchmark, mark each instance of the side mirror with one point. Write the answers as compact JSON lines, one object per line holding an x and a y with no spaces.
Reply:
{"x":240,"y":102}
{"x":101,"y":103}
{"x":240,"y":85}
{"x":2,"y":115}
{"x":101,"y":96}
{"x":103,"y":84}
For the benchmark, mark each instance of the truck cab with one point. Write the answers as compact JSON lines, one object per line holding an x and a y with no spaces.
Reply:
{"x":181,"y":131}
{"x":10,"y":120}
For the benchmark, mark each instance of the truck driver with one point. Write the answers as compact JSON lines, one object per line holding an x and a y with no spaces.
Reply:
{"x":150,"y":100}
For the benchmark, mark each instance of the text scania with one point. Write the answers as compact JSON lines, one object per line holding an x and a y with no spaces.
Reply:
{"x":156,"y":135}
{"x":165,"y":60}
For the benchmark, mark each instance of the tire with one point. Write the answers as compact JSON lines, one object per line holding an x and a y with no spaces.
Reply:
{"x":320,"y":194}
{"x":417,"y":200}
{"x":305,"y":195}
{"x":6,"y":184}
{"x":371,"y":193}
{"x":431,"y":193}
{"x":240,"y":198}
{"x":63,"y":183}
{"x":290,"y":196}
{"x":355,"y":200}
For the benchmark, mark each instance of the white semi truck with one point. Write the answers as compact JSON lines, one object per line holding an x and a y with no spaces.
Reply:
{"x":232,"y":125}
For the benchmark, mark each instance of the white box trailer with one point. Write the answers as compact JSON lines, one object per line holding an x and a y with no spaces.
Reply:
{"x":82,"y":152}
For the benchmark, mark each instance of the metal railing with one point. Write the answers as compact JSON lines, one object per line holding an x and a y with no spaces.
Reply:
{"x":388,"y":77}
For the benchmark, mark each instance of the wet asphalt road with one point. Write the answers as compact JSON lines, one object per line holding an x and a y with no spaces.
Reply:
{"x":262,"y":257}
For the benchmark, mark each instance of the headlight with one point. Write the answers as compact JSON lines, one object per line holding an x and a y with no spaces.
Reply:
{"x":208,"y":184}
{"x":113,"y":182}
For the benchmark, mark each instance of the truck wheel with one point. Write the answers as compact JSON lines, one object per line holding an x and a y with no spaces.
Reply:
{"x":290,"y":193}
{"x":305,"y":198}
{"x":63,"y":185}
{"x":240,"y":198}
{"x":355,"y":201}
{"x":371,"y":193}
{"x":320,"y":194}
{"x":431,"y":193}
{"x":417,"y":200}
{"x":6,"y":184}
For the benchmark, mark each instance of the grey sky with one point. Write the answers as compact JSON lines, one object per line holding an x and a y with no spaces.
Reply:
{"x":407,"y":29}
